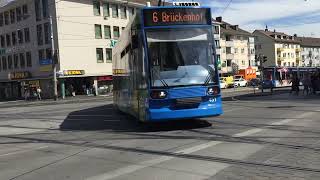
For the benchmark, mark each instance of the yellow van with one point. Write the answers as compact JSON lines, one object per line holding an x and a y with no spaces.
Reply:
{"x":228,"y":80}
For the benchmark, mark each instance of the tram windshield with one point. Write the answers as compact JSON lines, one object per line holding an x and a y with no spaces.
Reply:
{"x":180,"y":57}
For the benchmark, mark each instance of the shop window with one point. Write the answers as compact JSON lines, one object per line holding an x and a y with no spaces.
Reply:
{"x":96,"y":8}
{"x":109,"y":55}
{"x":106,"y":12}
{"x":49,"y":53}
{"x":41,"y":55}
{"x":10,"y":64}
{"x":107,"y":32}
{"x":97,"y":29}
{"x":22,"y":61}
{"x":116,"y":33}
{"x":115,"y":13}
{"x":99,"y":55}
{"x":123,"y":12}
{"x":29,"y":59}
{"x":16,"y":61}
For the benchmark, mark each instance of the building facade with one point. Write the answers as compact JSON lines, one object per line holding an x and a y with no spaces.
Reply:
{"x":236,"y":46}
{"x":279,"y":48}
{"x":310,"y":53}
{"x":84,"y":33}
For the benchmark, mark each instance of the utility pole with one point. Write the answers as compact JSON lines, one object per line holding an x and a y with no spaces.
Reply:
{"x":54,"y":62}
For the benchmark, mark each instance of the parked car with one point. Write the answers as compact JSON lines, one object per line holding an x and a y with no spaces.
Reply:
{"x":223,"y":84}
{"x":240,"y":82}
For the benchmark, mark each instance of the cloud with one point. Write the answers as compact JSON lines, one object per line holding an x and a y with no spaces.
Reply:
{"x":279,"y":14}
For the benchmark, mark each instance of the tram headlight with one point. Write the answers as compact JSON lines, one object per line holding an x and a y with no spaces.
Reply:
{"x":213,"y":91}
{"x":159,"y":94}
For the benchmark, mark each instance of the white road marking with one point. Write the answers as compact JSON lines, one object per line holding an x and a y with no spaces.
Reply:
{"x":132,"y":168}
{"x":23,"y":151}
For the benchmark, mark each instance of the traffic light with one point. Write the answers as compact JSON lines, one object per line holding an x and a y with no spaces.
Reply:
{"x":264,"y":58}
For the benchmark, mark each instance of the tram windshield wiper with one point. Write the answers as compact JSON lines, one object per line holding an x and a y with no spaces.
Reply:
{"x":157,"y":73}
{"x":209,"y":76}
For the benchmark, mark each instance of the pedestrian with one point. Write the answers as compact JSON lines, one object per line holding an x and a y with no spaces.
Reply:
{"x":306,"y":84}
{"x":295,"y":85}
{"x":26,"y":94}
{"x":73,"y":93}
{"x":39,"y":91}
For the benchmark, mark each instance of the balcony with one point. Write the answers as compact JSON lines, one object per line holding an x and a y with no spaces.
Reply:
{"x":280,"y":58}
{"x":298,"y":59}
{"x":229,"y":43}
{"x":230,"y":56}
{"x":280,"y":49}
{"x":298,"y":50}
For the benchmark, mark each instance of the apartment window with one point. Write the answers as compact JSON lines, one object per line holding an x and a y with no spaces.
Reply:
{"x":284,"y":55}
{"x":37,"y":9}
{"x":8,"y":40}
{"x":99,"y":54}
{"x":6,"y":18}
{"x":284,"y":64}
{"x":29,"y":59}
{"x":242,"y":50}
{"x":4,"y":63}
{"x":10,"y":64}
{"x":131,"y":12}
{"x":19,"y":14}
{"x":1,"y":19}
{"x":15,"y":61}
{"x":2,"y":41}
{"x":26,"y":34}
{"x":109,"y":55}
{"x":14,"y":38}
{"x":22,"y":61}
{"x":228,"y":50}
{"x":41,"y":55}
{"x":228,"y":38}
{"x":106,"y":12}
{"x":243,"y":62}
{"x":217,"y":43}
{"x":216,"y":29}
{"x":235,"y":50}
{"x":39,"y":34}
{"x":96,"y":8}
{"x":252,"y":51}
{"x":45,"y":8}
{"x":49,"y":53}
{"x":20,"y":36}
{"x":114,"y":11}
{"x":107,"y":32}
{"x":12,"y":16}
{"x":123,"y":12}
{"x":97,"y":29}
{"x":47,"y":32}
{"x":25,"y":11}
{"x":116,"y":33}
{"x":229,"y":62}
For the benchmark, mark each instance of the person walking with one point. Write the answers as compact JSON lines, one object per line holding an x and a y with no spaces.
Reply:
{"x":295,"y":85}
{"x":39,"y":91}
{"x":306,"y":84}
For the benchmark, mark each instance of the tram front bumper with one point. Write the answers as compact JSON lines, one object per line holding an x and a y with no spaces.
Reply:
{"x":163,"y":114}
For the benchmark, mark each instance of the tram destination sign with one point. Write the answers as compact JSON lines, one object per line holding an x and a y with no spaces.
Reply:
{"x":176,"y":16}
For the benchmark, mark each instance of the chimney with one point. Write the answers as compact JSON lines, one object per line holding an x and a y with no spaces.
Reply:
{"x":274,"y":30}
{"x":266,"y":29}
{"x":295,"y":35}
{"x":219,"y":19}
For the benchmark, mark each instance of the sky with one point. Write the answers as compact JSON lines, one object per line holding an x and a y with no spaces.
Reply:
{"x":301,"y":17}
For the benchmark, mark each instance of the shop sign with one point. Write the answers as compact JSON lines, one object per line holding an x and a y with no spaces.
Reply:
{"x":45,"y":61}
{"x":73,"y":72}
{"x":119,"y":71}
{"x":105,"y":78}
{"x":35,"y":83}
{"x":46,"y":68}
{"x":19,"y":75}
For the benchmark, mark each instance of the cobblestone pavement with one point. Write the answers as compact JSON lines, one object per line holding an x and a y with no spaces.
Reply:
{"x":258,"y":137}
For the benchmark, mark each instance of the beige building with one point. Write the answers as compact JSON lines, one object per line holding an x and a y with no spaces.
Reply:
{"x":236,"y":46}
{"x":84,"y":33}
{"x":279,"y":48}
{"x":310,"y":53}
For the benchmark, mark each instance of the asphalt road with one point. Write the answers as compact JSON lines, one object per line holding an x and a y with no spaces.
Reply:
{"x":266,"y":137}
